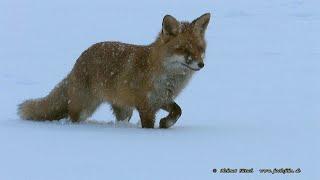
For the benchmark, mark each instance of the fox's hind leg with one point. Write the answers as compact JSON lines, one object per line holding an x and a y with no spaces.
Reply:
{"x":81,"y":104}
{"x":81,"y":110}
{"x":122,"y":113}
{"x":173,"y":116}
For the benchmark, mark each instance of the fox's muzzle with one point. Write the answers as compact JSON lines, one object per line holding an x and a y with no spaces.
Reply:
{"x":194,"y":65}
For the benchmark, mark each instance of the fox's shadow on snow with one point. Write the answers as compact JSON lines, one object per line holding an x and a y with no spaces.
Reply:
{"x":91,"y":123}
{"x":114,"y":126}
{"x":95,"y":125}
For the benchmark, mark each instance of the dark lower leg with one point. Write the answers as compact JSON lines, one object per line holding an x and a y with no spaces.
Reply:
{"x":147,"y":118}
{"x":74,"y":111}
{"x":173,"y":116}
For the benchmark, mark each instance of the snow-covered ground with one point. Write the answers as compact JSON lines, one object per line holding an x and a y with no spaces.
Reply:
{"x":256,"y":104}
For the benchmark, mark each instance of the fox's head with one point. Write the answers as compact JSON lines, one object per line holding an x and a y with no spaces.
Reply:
{"x":184,"y":41}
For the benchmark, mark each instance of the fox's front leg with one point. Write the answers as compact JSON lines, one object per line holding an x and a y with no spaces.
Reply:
{"x":147,"y":116}
{"x":173,"y":116}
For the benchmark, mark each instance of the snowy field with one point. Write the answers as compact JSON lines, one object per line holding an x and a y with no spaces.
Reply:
{"x":256,"y":104}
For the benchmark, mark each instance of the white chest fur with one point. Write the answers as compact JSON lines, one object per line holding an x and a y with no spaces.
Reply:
{"x":174,"y":78}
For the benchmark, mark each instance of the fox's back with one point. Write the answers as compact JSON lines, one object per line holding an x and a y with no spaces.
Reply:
{"x":112,"y":56}
{"x":111,"y":69}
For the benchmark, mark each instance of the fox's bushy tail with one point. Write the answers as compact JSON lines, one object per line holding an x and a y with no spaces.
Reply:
{"x":52,"y":107}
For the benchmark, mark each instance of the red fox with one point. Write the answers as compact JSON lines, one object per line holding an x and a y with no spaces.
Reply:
{"x":146,"y":78}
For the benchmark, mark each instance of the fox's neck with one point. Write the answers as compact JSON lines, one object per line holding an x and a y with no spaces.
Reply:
{"x":158,"y":49}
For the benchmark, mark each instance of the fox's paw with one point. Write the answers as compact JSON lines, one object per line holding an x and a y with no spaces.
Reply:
{"x":166,"y":123}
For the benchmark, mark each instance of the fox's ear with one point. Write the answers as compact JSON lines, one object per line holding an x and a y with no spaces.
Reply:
{"x":201,"y":23}
{"x":170,"y":26}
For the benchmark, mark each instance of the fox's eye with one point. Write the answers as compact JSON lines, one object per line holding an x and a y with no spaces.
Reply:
{"x":187,"y":52}
{"x":179,"y":50}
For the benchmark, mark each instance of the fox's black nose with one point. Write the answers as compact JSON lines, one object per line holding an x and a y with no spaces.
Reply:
{"x":200,"y":64}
